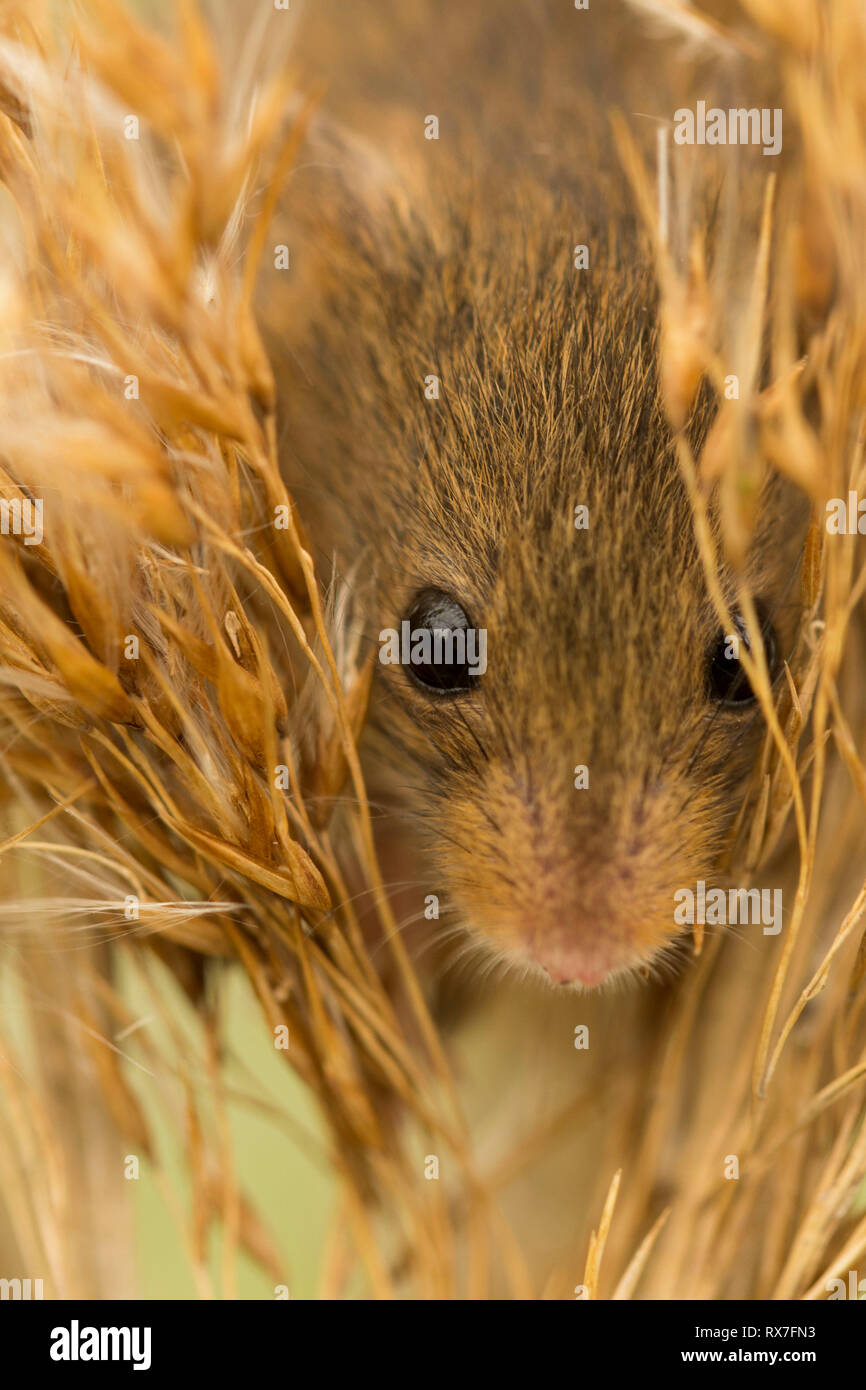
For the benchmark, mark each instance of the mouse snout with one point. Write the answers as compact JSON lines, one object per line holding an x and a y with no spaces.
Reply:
{"x":580,"y":950}
{"x":580,"y":897}
{"x":587,"y":921}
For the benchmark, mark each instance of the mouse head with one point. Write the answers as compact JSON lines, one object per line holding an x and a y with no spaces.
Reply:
{"x":576,"y":747}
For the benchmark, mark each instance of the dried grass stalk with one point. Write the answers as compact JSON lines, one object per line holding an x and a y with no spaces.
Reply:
{"x":180,"y":706}
{"x":165,"y":649}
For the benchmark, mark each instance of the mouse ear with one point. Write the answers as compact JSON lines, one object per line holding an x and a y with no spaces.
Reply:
{"x":340,"y":176}
{"x":343,"y":204}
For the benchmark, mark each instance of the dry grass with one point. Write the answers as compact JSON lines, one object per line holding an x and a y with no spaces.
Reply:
{"x":136,"y":399}
{"x":158,"y":775}
{"x":783,"y":1074}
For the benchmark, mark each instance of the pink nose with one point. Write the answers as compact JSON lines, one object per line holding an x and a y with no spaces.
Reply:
{"x":572,"y":958}
{"x":578,"y":974}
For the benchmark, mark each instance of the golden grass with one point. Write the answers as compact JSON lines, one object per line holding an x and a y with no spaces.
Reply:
{"x":136,"y":399}
{"x":139,"y":404}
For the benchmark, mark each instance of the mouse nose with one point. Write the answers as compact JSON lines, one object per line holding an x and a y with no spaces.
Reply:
{"x":562,"y":974}
{"x":578,"y":960}
{"x":586,"y":890}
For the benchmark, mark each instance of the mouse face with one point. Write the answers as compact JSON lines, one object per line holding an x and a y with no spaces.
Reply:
{"x":506,"y":473}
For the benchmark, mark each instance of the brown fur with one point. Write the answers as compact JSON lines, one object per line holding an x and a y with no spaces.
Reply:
{"x":597,"y":640}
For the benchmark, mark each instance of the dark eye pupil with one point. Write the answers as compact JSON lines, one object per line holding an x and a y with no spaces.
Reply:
{"x":728,"y":681}
{"x":442,"y":647}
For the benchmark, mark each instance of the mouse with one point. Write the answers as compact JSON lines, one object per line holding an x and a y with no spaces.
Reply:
{"x":476,"y":435}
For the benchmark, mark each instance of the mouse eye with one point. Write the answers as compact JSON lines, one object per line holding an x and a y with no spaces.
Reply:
{"x":727,"y":678}
{"x":441,"y":649}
